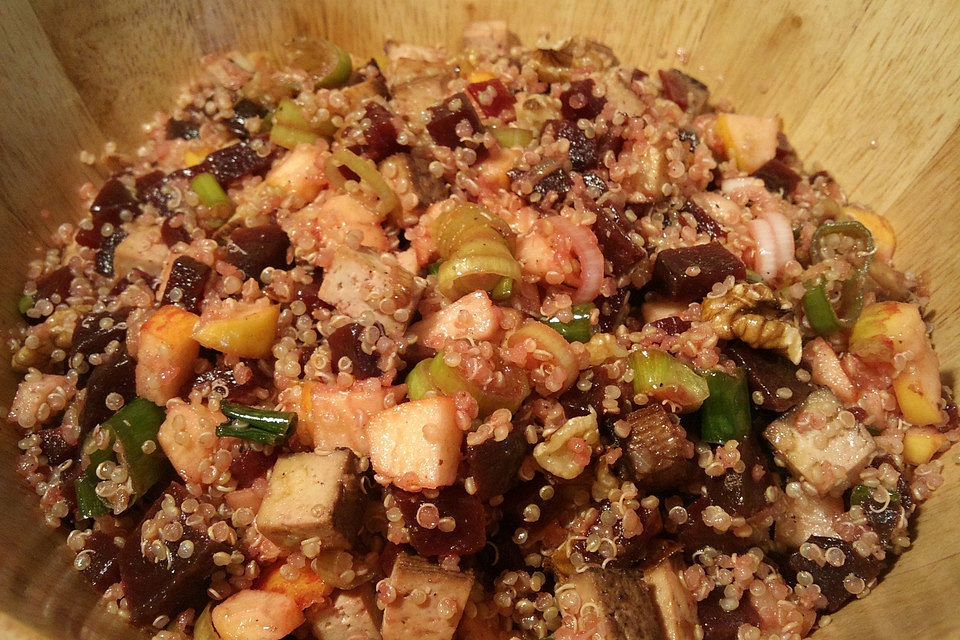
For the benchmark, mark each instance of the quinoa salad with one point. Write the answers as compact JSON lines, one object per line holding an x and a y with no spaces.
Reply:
{"x":500,"y":344}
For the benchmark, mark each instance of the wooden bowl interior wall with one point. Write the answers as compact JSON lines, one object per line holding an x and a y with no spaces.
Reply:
{"x":868,"y":90}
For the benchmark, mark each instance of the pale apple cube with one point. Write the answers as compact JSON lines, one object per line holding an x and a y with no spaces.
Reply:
{"x":474,"y":316}
{"x":188,"y":437}
{"x":165,"y":354}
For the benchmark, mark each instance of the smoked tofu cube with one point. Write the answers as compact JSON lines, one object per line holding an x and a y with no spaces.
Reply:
{"x":474,"y":316}
{"x":816,"y":445}
{"x":419,"y":617}
{"x":655,"y":450}
{"x":416,"y":445}
{"x":622,"y":601}
{"x":312,"y":495}
{"x":359,"y":282}
{"x":352,"y":615}
{"x":806,"y":516}
{"x":678,"y":609}
{"x":142,"y":249}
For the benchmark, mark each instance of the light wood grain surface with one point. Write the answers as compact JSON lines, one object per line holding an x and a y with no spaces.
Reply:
{"x":867,"y":89}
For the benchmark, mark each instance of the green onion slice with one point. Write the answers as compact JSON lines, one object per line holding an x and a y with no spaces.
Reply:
{"x":577,"y":330}
{"x":256,"y":425}
{"x":387,"y":200}
{"x":659,"y":375}
{"x":512,"y":136}
{"x":725,"y":413}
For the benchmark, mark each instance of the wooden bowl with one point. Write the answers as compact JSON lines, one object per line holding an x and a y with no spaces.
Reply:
{"x":869,"y":90}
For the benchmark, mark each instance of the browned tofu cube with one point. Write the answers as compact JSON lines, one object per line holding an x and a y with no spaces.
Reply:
{"x":806,"y":516}
{"x":655,"y":450}
{"x":820,"y":448}
{"x":351,"y":615}
{"x":359,"y":282}
{"x":678,"y":609}
{"x":429,"y":603}
{"x":313,"y":495}
{"x":408,"y":172}
{"x":623,"y":602}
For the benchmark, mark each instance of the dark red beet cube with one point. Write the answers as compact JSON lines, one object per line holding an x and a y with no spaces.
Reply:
{"x":55,"y":447}
{"x":629,"y":550}
{"x":778,"y":177}
{"x":347,"y":341}
{"x":689,"y":273}
{"x":673,"y":325}
{"x":94,"y":332}
{"x":705,"y":222}
{"x":766,"y":373}
{"x":579,"y":101}
{"x":244,"y":110}
{"x":188,"y":278}
{"x":381,"y":134}
{"x":112,"y":199}
{"x":742,"y":494}
{"x":613,"y":230}
{"x":232,"y":163}
{"x":583,"y":150}
{"x":689,"y":93}
{"x":492,"y":97}
{"x":447,"y":117}
{"x":253,"y":249}
{"x":222,"y":377}
{"x":249,"y":465}
{"x":558,"y":182}
{"x":116,"y":375}
{"x":829,"y":578}
{"x":105,"y":252}
{"x":186,"y":129}
{"x":494,"y":465}
{"x":166,"y":588}
{"x":104,"y":568}
{"x":56,"y":282}
{"x":469,"y":534}
{"x":719,"y":624}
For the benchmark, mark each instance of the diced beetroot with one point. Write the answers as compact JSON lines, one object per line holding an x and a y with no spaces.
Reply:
{"x":244,"y":110}
{"x":557,"y":182}
{"x":673,"y":325}
{"x":629,"y":550}
{"x":609,"y":142}
{"x":447,"y":117}
{"x":110,"y":201}
{"x":742,"y":494}
{"x":689,"y":93}
{"x":579,"y":101}
{"x":594,"y":181}
{"x":494,"y":107}
{"x":613,"y":229}
{"x":253,"y":249}
{"x":188,"y":278}
{"x":578,"y":402}
{"x":778,"y":177}
{"x":767,"y":372}
{"x":347,"y":342}
{"x":381,"y":135}
{"x":517,"y":500}
{"x":705,"y":222}
{"x":689,"y":273}
{"x":232,"y":163}
{"x":248,"y":465}
{"x":106,"y":251}
{"x":719,"y":624}
{"x":694,"y":535}
{"x":186,"y":129}
{"x":90,"y":335}
{"x":494,"y":465}
{"x":222,"y":376}
{"x":637,"y":74}
{"x":389,"y":555}
{"x":55,"y":447}
{"x":785,"y":151}
{"x":171,"y":235}
{"x":166,"y":588}
{"x":469,"y":534}
{"x":583,"y":150}
{"x":56,"y":282}
{"x":116,"y":375}
{"x":690,"y":137}
{"x":614,"y":310}
{"x":308,"y":293}
{"x":104,"y":568}
{"x":830,"y":578}
{"x":151,"y":190}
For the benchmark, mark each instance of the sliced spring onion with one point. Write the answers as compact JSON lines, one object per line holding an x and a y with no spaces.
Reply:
{"x":659,"y":375}
{"x":209,"y":191}
{"x":548,"y":342}
{"x":509,"y":393}
{"x":847,"y":228}
{"x":433,"y":268}
{"x":503,"y":289}
{"x":419,"y":381}
{"x":256,"y":425}
{"x":463,"y":274}
{"x":289,"y":137}
{"x":24,"y":304}
{"x":512,"y":136}
{"x":821,"y":313}
{"x":465,"y":222}
{"x":725,"y":413}
{"x":132,"y":427}
{"x":577,"y":330}
{"x":329,"y":65}
{"x":388,"y":203}
{"x":862,"y":494}
{"x":289,"y":127}
{"x":203,"y":628}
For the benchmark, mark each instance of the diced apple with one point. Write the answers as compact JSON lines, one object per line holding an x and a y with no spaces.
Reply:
{"x":879,"y":227}
{"x":659,"y":309}
{"x":306,"y":589}
{"x":417,"y":444}
{"x":256,"y":615}
{"x":749,"y":140}
{"x":188,"y":437}
{"x":166,"y":353}
{"x":918,"y":390}
{"x":493,"y":170}
{"x":920,"y":445}
{"x":299,"y":173}
{"x":143,"y":249}
{"x":474,"y":316}
{"x":33,"y":393}
{"x":359,"y":282}
{"x":885,"y":329}
{"x":331,"y":417}
{"x":244,"y":329}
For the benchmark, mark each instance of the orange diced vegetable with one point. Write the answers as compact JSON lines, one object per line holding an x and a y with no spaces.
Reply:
{"x":918,"y":390}
{"x":307,"y":588}
{"x":166,"y":353}
{"x":879,"y":227}
{"x":885,"y":329}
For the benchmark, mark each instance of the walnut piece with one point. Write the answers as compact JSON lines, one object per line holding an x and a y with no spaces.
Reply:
{"x":753,"y":313}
